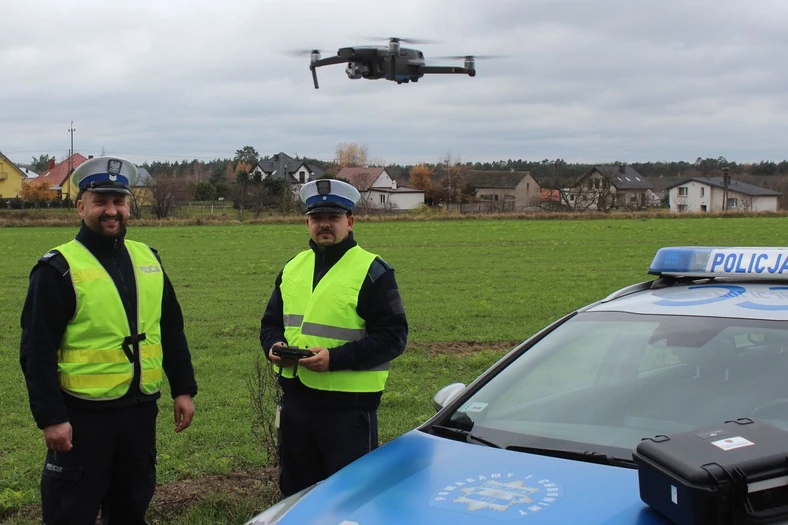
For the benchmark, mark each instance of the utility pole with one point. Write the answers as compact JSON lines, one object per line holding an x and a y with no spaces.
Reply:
{"x":71,"y":130}
{"x":725,"y":188}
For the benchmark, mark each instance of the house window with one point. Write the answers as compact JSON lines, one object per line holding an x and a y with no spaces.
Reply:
{"x":703,"y":192}
{"x":682,"y":207}
{"x":733,"y":203}
{"x":683,"y":191}
{"x":301,"y":177}
{"x":383,"y":199}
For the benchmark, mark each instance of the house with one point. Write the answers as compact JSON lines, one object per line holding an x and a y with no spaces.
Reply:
{"x":504,"y":190}
{"x":284,"y":167}
{"x":610,"y":187}
{"x":702,"y":194}
{"x":11,"y":178}
{"x":380,"y":191}
{"x":57,"y":175}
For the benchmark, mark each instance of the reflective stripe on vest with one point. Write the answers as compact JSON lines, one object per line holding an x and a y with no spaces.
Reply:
{"x":327,"y":317}
{"x":91,"y":361}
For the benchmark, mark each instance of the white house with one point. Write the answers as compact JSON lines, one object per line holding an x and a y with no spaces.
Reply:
{"x":379,"y":191}
{"x":702,"y":194}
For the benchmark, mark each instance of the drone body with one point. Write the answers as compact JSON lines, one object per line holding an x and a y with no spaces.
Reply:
{"x":392,"y":62}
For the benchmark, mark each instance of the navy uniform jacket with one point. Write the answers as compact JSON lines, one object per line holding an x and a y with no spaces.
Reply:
{"x":51,"y":303}
{"x":379,"y":304}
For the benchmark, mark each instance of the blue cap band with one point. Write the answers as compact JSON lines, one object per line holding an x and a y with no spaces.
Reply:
{"x":103,"y":177}
{"x":317,"y":200}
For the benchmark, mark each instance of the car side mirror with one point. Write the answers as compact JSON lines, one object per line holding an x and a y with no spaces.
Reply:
{"x":446,"y":394}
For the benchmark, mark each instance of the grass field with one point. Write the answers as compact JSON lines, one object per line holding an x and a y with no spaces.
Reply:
{"x":471,"y":289}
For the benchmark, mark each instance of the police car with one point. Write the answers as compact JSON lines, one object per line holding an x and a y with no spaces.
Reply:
{"x":546,"y":435}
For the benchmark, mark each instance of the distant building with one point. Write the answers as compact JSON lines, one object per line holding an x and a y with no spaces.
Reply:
{"x":380,"y":191}
{"x":702,"y":194}
{"x":12,"y":178}
{"x":284,"y":167}
{"x":608,"y":187}
{"x":504,"y":190}
{"x":57,"y":175}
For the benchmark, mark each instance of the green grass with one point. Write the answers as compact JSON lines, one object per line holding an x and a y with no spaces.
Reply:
{"x":477,"y":280}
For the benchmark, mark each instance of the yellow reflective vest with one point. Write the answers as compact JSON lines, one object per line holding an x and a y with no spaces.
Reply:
{"x":326,"y":317}
{"x":91,"y":362}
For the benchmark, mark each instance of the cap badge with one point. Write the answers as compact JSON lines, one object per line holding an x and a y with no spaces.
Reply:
{"x":323,"y":187}
{"x":113,"y":169}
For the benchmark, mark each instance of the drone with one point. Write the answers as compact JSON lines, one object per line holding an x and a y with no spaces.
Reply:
{"x":393,"y":62}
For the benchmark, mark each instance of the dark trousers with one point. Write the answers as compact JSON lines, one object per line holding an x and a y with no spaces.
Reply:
{"x":315,"y":443}
{"x":111,"y":467}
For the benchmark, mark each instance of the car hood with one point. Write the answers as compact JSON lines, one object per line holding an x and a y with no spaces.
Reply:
{"x":420,"y":478}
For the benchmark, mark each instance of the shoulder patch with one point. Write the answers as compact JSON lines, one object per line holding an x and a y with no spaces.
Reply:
{"x":378,"y":268}
{"x":55,"y":259}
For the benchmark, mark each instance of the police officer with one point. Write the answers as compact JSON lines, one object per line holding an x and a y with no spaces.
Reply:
{"x":100,"y":326}
{"x":343,"y":304}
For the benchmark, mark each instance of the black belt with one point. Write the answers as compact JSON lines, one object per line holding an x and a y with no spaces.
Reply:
{"x":132,"y":340}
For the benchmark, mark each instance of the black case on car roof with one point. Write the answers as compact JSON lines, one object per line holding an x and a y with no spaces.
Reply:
{"x":735,"y":473}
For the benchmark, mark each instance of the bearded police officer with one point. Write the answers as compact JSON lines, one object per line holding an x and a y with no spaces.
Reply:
{"x":342,"y":303}
{"x":101,"y":325}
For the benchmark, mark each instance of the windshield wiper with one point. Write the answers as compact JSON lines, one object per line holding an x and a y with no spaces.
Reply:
{"x":455,"y":432}
{"x":585,"y":455}
{"x":577,"y":455}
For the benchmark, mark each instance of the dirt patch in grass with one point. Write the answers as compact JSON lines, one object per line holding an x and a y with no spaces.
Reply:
{"x":258,"y":484}
{"x":467,"y":347}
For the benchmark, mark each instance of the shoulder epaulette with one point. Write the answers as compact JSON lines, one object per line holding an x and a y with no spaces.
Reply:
{"x":55,"y":259}
{"x":378,"y":268}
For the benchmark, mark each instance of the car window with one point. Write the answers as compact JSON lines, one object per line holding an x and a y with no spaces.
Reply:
{"x":612,"y":379}
{"x":573,"y":364}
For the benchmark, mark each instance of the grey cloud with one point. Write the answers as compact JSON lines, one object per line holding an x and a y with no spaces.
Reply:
{"x":589,"y":80}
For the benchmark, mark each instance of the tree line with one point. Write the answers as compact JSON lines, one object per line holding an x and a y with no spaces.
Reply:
{"x":233,"y":179}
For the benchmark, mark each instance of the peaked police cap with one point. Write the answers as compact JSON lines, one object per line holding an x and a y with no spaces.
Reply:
{"x":105,"y":175}
{"x":329,"y":196}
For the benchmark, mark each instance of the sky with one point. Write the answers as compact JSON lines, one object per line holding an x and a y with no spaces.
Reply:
{"x":582,"y":80}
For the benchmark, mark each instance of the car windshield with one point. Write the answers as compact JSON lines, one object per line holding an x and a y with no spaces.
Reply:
{"x":602,"y":381}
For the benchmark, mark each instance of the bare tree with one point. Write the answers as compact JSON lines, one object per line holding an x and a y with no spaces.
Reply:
{"x":588,"y":193}
{"x":363,"y":183}
{"x":165,"y":190}
{"x":265,"y":396}
{"x":745,"y":203}
{"x":140,"y":196}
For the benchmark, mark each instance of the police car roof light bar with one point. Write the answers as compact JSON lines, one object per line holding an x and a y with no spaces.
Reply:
{"x":721,"y":261}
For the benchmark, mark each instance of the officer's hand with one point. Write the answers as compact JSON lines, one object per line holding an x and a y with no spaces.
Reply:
{"x":184,"y":412}
{"x":318,"y":362}
{"x":275,"y":359}
{"x":58,"y":437}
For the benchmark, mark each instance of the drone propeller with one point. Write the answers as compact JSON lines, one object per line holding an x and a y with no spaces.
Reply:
{"x":301,"y":52}
{"x":416,"y":41}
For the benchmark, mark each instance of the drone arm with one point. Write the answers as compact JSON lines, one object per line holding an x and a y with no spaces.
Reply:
{"x":447,"y":70}
{"x":324,"y":62}
{"x":329,"y":61}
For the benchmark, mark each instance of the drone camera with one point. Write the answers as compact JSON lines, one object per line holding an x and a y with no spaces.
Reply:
{"x":356,"y":70}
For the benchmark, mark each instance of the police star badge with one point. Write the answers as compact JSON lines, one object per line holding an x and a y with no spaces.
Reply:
{"x":113,"y":169}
